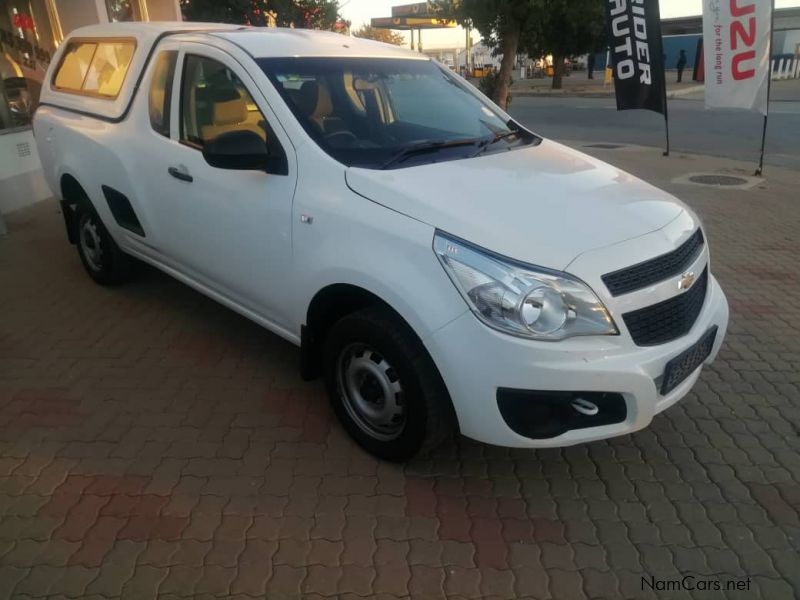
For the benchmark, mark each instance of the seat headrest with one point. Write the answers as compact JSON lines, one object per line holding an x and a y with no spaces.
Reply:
{"x":314,"y":100}
{"x":222,"y":93}
{"x":230,"y":112}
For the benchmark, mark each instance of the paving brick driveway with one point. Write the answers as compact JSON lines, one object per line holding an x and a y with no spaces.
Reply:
{"x":153,"y":443}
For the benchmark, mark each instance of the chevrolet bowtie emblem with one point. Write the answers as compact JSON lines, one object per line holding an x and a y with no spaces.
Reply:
{"x":685,"y":282}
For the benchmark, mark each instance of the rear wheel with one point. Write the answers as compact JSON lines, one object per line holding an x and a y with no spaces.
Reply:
{"x":384,"y":387}
{"x":100,"y":255}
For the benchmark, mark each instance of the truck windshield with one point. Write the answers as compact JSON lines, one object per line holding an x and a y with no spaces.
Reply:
{"x":390,"y":113}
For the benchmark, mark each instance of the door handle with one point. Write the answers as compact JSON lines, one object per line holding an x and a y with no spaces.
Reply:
{"x":178,"y":174}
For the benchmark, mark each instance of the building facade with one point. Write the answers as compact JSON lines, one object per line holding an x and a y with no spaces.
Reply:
{"x":30,"y":33}
{"x":685,"y":33}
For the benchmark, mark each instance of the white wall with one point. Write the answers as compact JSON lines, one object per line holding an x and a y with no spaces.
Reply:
{"x":15,"y":156}
{"x":21,"y":180}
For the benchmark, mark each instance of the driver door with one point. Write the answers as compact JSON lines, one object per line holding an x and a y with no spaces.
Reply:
{"x":228,"y":230}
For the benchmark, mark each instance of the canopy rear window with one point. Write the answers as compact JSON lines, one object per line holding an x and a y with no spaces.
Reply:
{"x":94,"y":67}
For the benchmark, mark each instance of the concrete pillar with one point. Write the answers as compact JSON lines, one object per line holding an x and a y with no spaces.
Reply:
{"x":163,"y":10}
{"x":6,"y":121}
{"x":77,"y":13}
{"x":101,"y":10}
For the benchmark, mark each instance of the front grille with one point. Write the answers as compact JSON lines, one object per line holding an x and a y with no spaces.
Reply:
{"x":670,"y":319}
{"x":657,"y":269}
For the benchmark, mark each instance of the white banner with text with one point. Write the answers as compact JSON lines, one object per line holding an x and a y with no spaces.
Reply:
{"x":736,"y":37}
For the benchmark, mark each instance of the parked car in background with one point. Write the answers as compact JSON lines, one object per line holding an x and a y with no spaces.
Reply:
{"x":440,"y":266}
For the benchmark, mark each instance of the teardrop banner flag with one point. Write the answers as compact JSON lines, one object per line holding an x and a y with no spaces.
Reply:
{"x":736,"y":38}
{"x":637,"y":54}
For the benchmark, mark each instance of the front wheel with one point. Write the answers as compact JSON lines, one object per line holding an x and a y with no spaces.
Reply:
{"x":384,"y":387}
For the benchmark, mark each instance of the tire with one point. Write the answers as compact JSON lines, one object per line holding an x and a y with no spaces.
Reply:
{"x":384,"y":387}
{"x":100,"y":255}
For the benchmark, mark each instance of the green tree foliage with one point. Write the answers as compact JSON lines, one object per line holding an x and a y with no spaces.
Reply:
{"x":307,"y":14}
{"x":387,"y":36}
{"x":502,"y":23}
{"x":537,"y":27}
{"x":565,"y":28}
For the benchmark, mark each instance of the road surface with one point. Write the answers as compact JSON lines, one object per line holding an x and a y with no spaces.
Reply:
{"x":692,"y":128}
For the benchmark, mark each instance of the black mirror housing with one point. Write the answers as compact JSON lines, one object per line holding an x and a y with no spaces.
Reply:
{"x":241,"y":150}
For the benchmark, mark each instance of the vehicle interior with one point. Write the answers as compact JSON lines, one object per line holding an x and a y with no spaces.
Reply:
{"x":214,"y":101}
{"x":343,"y":110}
{"x":352,"y":109}
{"x":365,"y":111}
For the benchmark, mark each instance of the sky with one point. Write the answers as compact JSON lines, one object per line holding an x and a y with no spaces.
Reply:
{"x":361,"y":11}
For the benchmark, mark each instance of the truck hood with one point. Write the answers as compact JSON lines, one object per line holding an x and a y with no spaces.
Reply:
{"x":543,"y":205}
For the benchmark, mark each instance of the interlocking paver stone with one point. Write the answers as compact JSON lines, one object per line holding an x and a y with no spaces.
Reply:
{"x":154,"y":444}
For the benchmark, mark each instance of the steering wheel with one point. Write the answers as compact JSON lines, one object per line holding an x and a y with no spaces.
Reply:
{"x":348,"y":134}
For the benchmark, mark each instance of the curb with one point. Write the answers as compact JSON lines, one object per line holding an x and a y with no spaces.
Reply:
{"x":600,"y":93}
{"x":530,"y":93}
{"x":686,"y":91}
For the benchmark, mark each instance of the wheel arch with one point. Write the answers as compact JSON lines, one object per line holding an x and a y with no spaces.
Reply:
{"x":332,"y":303}
{"x":72,"y":195}
{"x":328,"y":305}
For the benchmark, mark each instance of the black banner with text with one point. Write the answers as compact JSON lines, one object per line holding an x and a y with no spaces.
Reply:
{"x":637,"y":54}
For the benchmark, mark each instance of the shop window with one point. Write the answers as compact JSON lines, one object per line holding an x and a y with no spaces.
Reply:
{"x":95,"y":68}
{"x":26,"y":42}
{"x":123,"y":10}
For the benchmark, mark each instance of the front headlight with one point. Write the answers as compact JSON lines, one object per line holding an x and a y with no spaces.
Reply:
{"x":522,"y":300}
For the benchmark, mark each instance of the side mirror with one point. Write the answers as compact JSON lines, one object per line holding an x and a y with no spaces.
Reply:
{"x":241,"y":150}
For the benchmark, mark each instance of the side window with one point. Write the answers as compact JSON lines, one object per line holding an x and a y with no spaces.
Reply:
{"x":215,"y":101}
{"x":160,"y":97}
{"x":95,"y":68}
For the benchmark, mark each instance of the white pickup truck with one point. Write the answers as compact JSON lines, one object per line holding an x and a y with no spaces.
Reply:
{"x":440,"y":265}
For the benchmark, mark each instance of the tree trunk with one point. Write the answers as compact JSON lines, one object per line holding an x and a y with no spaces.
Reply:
{"x":510,"y":45}
{"x":558,"y":71}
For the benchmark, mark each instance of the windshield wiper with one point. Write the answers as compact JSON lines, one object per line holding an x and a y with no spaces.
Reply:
{"x":428,"y":146}
{"x":502,"y":135}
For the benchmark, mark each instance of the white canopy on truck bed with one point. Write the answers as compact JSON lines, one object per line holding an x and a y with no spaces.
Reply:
{"x":257,"y":41}
{"x":144,"y":35}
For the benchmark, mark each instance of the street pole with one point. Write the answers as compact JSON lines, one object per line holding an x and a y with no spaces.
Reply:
{"x":760,"y":169}
{"x":466,"y":51}
{"x":666,"y":109}
{"x":663,"y":80}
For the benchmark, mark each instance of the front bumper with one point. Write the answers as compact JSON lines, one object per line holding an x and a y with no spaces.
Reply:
{"x":475,"y":361}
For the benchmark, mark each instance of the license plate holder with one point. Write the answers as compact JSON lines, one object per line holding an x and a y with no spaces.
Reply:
{"x":683,"y":365}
